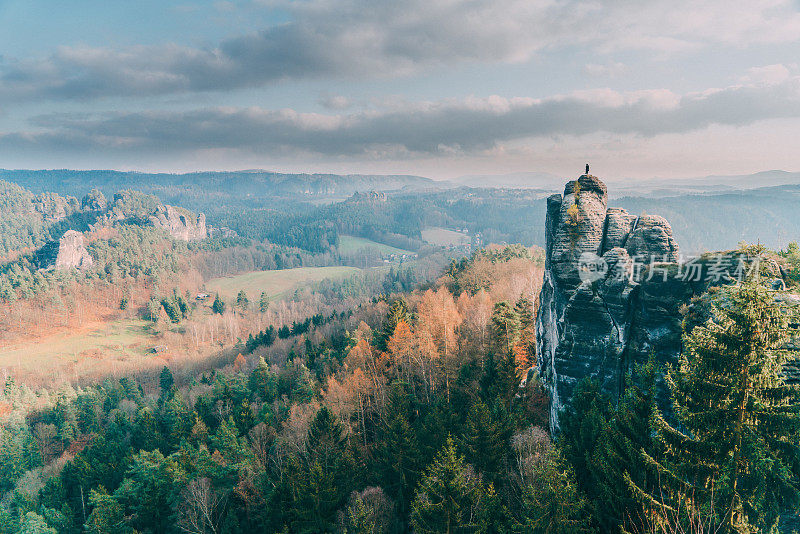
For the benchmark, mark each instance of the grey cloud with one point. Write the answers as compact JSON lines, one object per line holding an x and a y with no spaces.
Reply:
{"x":367,"y":38}
{"x":409,"y":130}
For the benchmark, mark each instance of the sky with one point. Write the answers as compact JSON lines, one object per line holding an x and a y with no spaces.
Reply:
{"x":438,"y":88}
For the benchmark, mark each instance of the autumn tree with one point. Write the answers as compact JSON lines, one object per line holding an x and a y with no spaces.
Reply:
{"x":400,"y":346}
{"x":438,"y":314}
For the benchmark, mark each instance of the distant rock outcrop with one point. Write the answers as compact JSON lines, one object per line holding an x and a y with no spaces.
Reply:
{"x":367,"y":197}
{"x":613,"y":291}
{"x":180,"y":223}
{"x":135,"y":207}
{"x":94,"y":200}
{"x":69,"y":252}
{"x":53,"y":207}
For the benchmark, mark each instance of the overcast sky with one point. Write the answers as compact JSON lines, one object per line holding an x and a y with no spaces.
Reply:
{"x":438,"y":88}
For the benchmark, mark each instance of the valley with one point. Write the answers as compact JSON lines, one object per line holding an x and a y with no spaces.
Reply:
{"x":275,"y":284}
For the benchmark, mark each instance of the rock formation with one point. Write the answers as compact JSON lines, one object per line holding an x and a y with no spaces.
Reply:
{"x":94,"y":200}
{"x":69,"y":252}
{"x":613,"y":291}
{"x":53,"y":207}
{"x":180,"y":223}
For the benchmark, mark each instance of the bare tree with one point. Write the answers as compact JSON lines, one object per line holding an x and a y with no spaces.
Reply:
{"x":201,"y":509}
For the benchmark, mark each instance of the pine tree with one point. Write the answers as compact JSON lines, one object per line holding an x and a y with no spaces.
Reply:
{"x":735,"y":452}
{"x":218,"y":306}
{"x":33,"y":523}
{"x":323,"y":477}
{"x":524,"y":310}
{"x":505,"y":327}
{"x":398,"y":313}
{"x":242,"y":302}
{"x":582,"y":426}
{"x":398,"y":455}
{"x":263,"y":302}
{"x":107,"y":514}
{"x":486,"y":440}
{"x":621,"y":457}
{"x":551,"y":502}
{"x":449,"y":497}
{"x":166,"y":381}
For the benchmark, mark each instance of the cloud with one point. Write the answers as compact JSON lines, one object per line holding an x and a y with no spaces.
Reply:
{"x":335,"y":102}
{"x":326,"y":39}
{"x":768,"y":74}
{"x":607,"y":70}
{"x":406,"y":130}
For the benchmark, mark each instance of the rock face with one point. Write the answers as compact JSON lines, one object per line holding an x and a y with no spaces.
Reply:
{"x":180,"y":223}
{"x":69,"y":252}
{"x":53,"y":207}
{"x":612,"y":293}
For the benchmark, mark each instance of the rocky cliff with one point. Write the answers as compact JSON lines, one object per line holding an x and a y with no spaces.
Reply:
{"x":615,"y":291}
{"x":69,"y":252}
{"x":180,"y":223}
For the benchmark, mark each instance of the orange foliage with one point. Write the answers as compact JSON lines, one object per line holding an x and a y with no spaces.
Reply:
{"x":239,"y":363}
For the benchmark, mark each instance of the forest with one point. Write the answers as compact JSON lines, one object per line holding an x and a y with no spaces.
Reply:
{"x":417,"y":410}
{"x":401,"y":398}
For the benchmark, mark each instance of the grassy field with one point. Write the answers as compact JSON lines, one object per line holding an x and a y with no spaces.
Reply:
{"x":444,"y":237}
{"x":349,"y":244}
{"x":275,"y":283}
{"x":124,"y":339}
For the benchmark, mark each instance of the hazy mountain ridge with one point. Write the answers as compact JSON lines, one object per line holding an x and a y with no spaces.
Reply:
{"x":702,"y":222}
{"x":623,"y":187}
{"x":199,"y":188}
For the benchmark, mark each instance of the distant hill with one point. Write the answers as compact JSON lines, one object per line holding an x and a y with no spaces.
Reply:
{"x":660,"y":187}
{"x":767,"y":215}
{"x":519,"y":180}
{"x":650,"y":187}
{"x":200,"y":189}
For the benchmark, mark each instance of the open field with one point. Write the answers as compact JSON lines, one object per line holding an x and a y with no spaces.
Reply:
{"x":276,"y":284}
{"x":349,"y":244}
{"x":444,"y":237}
{"x":124,"y":338}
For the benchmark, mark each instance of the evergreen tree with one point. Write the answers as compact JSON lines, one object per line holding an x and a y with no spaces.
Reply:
{"x":33,"y":523}
{"x":524,"y":310}
{"x":621,"y":458}
{"x":108,"y":515}
{"x":166,"y":381}
{"x":551,"y":503}
{"x":735,"y":451}
{"x":505,"y":327}
{"x":218,"y":306}
{"x":486,"y":440}
{"x":242,"y":302}
{"x":398,"y":312}
{"x":263,"y":302}
{"x":450,"y":496}
{"x":582,"y":424}
{"x":399,"y":459}
{"x":322,"y":478}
